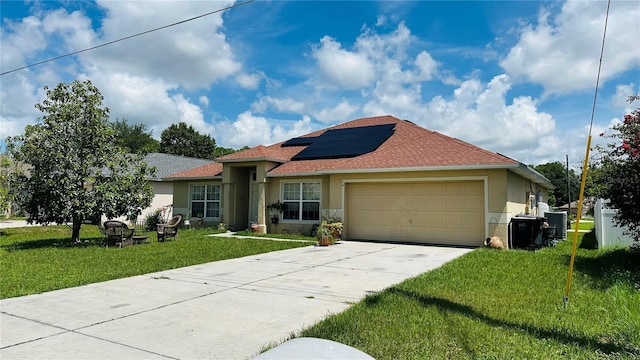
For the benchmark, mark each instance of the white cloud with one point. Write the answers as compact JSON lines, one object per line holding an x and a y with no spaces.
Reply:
{"x":204,"y":100}
{"x":346,"y":69}
{"x":299,"y":127}
{"x":73,"y":29}
{"x":249,"y":81}
{"x":250,"y":130}
{"x":339,"y":113}
{"x":562,"y":53}
{"x":282,"y":105}
{"x":426,"y":65}
{"x":20,"y":40}
{"x":194,"y":54}
{"x":621,"y":97}
{"x":148,"y":101}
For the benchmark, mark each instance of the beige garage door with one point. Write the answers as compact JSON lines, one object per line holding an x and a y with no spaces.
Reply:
{"x":450,"y":212}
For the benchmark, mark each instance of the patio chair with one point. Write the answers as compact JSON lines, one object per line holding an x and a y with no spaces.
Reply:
{"x":117,"y":233}
{"x":170,"y":229}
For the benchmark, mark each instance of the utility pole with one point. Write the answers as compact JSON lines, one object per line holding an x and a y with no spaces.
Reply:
{"x":568,"y":193}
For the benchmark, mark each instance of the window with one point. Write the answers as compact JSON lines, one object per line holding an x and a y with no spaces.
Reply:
{"x":302,"y":201}
{"x":205,"y":201}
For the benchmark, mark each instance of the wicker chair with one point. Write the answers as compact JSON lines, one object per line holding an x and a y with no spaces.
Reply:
{"x":170,"y":229}
{"x":118,"y":233}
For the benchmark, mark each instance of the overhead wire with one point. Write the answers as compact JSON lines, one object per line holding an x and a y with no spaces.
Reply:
{"x":565,"y":299}
{"x":126,"y":37}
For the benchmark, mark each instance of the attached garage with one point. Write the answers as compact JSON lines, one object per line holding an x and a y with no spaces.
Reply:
{"x":437,"y":212}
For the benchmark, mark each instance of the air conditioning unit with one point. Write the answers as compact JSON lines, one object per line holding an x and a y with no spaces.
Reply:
{"x":558,"y":219}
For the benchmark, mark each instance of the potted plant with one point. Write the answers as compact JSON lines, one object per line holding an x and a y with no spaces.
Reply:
{"x":324,"y":235}
{"x":276,"y":208}
{"x":336,"y":230}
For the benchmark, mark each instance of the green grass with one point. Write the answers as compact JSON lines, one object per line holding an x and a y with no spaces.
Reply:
{"x":502,"y":305}
{"x":584,"y":225}
{"x":39,"y":259}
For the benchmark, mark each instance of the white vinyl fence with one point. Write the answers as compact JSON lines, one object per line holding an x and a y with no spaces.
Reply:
{"x":607,"y":232}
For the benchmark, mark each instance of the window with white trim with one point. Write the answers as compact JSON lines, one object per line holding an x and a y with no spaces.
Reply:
{"x":205,"y":201}
{"x":302,"y":200}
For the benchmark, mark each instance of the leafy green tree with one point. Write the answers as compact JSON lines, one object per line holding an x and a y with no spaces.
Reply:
{"x":135,"y":138}
{"x":183,"y":139}
{"x":77,"y":170}
{"x":222,"y":151}
{"x":620,"y":166}
{"x":556,"y":172}
{"x":5,"y":199}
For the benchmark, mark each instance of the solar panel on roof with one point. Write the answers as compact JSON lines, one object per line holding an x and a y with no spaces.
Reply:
{"x":342,"y":143}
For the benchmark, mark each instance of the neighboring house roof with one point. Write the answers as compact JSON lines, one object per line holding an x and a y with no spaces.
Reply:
{"x":409,"y":148}
{"x":208,"y":171}
{"x":167,"y":164}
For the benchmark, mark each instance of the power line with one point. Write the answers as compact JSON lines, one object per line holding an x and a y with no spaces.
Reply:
{"x":585,"y":165}
{"x":127,"y":37}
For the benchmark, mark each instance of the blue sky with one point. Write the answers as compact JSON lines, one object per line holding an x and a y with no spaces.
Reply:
{"x":513,"y":77}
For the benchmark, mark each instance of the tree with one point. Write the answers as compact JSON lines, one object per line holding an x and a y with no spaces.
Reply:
{"x":77,"y":170}
{"x":620,"y":166}
{"x":556,"y":172}
{"x":184,"y":140}
{"x":134,"y":137}
{"x":5,"y":199}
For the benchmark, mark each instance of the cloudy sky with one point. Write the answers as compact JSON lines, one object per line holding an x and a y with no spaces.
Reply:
{"x":514,"y":77}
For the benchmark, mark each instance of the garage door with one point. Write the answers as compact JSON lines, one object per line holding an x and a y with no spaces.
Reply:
{"x":447,"y":212}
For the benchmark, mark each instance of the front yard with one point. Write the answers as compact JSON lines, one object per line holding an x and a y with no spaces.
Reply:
{"x":39,"y":259}
{"x":502,"y":305}
{"x":487,"y":304}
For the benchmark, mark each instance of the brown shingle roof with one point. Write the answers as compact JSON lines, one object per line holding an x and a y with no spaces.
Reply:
{"x":410,"y":147}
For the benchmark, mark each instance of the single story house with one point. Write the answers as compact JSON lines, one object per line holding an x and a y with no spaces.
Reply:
{"x":165,"y":164}
{"x":385,"y":178}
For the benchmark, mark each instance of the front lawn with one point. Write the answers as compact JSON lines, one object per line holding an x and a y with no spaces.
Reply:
{"x":39,"y":259}
{"x":502,"y":305}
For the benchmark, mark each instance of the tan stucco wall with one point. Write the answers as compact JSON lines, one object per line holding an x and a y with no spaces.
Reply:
{"x":506,"y":193}
{"x":162,"y":196}
{"x":181,"y":196}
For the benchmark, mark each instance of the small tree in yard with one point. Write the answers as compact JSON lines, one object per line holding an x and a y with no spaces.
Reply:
{"x":620,"y":172}
{"x":77,"y":171}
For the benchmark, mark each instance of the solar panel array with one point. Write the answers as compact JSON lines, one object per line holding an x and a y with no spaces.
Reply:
{"x":342,"y":143}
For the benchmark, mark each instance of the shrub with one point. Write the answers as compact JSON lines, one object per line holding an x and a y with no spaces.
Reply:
{"x":152,"y":220}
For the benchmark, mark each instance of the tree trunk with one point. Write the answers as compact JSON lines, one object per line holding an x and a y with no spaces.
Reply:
{"x":75,"y":233}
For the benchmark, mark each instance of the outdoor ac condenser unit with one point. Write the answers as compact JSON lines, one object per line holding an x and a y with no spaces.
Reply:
{"x":558,"y":219}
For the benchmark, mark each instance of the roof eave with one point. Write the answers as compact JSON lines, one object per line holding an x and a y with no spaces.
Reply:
{"x":518,"y":168}
{"x":400,"y":169}
{"x":251,"y":160}
{"x":181,"y":178}
{"x":531,"y":174}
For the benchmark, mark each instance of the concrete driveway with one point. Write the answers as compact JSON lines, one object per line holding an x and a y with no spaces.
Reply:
{"x":14,"y":224}
{"x":222,"y":310}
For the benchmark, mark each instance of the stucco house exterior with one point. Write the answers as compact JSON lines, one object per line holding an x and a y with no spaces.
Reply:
{"x":387,"y":179}
{"x":165,"y":164}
